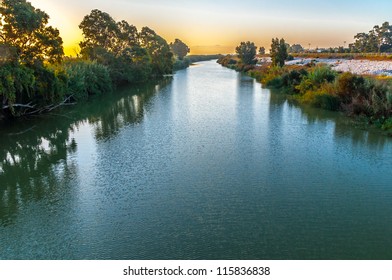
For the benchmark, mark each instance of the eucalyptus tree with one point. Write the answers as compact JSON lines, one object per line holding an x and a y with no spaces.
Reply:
{"x":179,"y":48}
{"x":115,"y":45}
{"x":158,"y":50}
{"x":24,"y":31}
{"x":278,"y":52}
{"x":246,"y":51}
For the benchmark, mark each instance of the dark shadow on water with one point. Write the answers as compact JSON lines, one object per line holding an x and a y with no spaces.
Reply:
{"x":33,"y":151}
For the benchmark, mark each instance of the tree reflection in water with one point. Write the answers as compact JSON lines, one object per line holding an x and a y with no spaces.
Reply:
{"x":35,"y":154}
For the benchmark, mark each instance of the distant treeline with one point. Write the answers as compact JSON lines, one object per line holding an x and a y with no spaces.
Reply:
{"x":36,"y":77}
{"x":368,"y":44}
{"x":182,"y":64}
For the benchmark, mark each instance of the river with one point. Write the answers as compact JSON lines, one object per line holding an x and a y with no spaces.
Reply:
{"x":204,"y":165}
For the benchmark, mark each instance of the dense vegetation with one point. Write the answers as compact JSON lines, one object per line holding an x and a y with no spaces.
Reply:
{"x":318,"y":85}
{"x":36,"y":77}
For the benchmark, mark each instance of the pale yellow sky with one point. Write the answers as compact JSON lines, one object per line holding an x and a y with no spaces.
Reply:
{"x":218,"y":26}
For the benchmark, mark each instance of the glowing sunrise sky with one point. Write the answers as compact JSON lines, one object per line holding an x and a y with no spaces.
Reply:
{"x":209,"y":26}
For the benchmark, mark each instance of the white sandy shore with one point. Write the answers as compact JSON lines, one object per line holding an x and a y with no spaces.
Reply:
{"x":362,"y":67}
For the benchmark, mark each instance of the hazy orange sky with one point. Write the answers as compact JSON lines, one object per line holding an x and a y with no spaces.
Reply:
{"x":218,"y":26}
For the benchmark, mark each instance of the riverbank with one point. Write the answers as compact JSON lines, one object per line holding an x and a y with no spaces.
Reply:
{"x":363,"y":97}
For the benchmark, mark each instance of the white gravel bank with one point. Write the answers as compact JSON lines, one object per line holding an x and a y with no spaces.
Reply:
{"x":362,"y":67}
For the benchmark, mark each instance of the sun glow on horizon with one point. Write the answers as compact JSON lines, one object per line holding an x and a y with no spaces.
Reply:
{"x":217,"y":27}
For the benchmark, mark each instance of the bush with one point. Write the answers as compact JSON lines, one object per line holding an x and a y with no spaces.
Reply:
{"x":272,"y":73}
{"x":50,"y":87}
{"x":326,"y":101}
{"x":181,"y":64}
{"x":87,"y":78}
{"x":387,"y":125}
{"x":315,"y":79}
{"x":293,"y":79}
{"x":16,"y":84}
{"x":322,"y":74}
{"x":350,"y":86}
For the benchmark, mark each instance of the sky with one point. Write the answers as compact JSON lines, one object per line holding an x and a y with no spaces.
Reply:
{"x":208,"y":26}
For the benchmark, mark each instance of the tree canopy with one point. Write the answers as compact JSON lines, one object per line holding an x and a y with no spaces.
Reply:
{"x":131,"y":56}
{"x":158,"y":50}
{"x":379,"y":39}
{"x":246,"y":51}
{"x":296,"y":48}
{"x":278,"y":52}
{"x":25,"y":31}
{"x":179,"y":48}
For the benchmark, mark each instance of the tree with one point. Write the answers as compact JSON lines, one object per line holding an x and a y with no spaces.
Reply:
{"x":246,"y":51}
{"x":278,"y":52}
{"x":261,"y":51}
{"x":100,"y":31}
{"x":24,"y":29}
{"x":158,"y":50}
{"x":115,"y":45}
{"x":383,"y":34}
{"x":379,"y":39}
{"x":179,"y":48}
{"x":296,"y":48}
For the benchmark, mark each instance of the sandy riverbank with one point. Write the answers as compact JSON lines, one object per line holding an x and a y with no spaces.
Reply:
{"x":361,"y":67}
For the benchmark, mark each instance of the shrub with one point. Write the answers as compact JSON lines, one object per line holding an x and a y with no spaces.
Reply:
{"x":350,"y":86}
{"x":16,"y":84}
{"x":181,"y":64}
{"x":316,"y":78}
{"x":327,"y":101}
{"x":293,"y":79}
{"x":87,"y":78}
{"x":322,"y":74}
{"x":387,"y":125}
{"x":272,"y":73}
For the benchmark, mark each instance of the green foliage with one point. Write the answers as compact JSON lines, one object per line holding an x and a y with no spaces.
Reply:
{"x":246,"y":51}
{"x":16,"y":84}
{"x":326,"y":101}
{"x":387,"y":125}
{"x":293,"y":79}
{"x":296,"y":48}
{"x":379,"y":39}
{"x":273,"y":77}
{"x":181,"y":64}
{"x":205,"y":57}
{"x":99,"y":30}
{"x":86,"y":78}
{"x":179,"y":48}
{"x":350,"y":85}
{"x":261,"y":51}
{"x":322,"y":74}
{"x":316,"y":77}
{"x":278,"y":52}
{"x":130,"y":56}
{"x":227,"y":60}
{"x":49,"y":87}
{"x":158,"y":50}
{"x":24,"y":29}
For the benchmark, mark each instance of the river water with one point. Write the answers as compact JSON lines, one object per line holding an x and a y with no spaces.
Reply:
{"x":203,"y":165}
